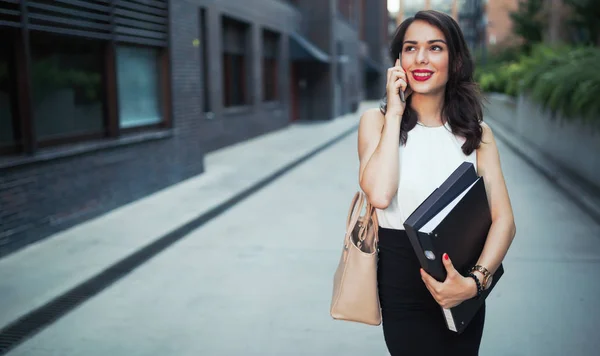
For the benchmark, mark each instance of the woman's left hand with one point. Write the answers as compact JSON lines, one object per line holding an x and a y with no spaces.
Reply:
{"x":454,"y":290}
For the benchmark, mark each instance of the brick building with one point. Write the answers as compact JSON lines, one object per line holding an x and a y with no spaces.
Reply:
{"x":499,"y":29}
{"x":482,"y":22}
{"x":104,"y":102}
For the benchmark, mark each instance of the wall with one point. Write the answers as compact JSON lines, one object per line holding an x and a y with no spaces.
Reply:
{"x":570,"y":143}
{"x":225,"y":126}
{"x":376,"y":21}
{"x":42,"y":198}
{"x":376,"y":30}
{"x":499,"y":29}
{"x":317,"y":25}
{"x":348,"y":90}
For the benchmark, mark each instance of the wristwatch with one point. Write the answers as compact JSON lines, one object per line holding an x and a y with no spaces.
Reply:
{"x":487,"y":276}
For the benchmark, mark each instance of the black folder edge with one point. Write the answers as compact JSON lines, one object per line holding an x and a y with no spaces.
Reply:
{"x":459,"y":180}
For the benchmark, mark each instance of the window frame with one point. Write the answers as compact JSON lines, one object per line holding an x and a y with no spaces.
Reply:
{"x":244,"y":30}
{"x":26,"y":144}
{"x":271,"y":63}
{"x":11,"y":147}
{"x":65,"y":138}
{"x":205,"y":58}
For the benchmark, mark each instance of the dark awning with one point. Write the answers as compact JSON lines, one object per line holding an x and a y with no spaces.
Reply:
{"x":372,"y":67}
{"x":302,"y":49}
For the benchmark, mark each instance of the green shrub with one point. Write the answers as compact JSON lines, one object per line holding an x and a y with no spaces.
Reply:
{"x":502,"y":78}
{"x":562,"y":79}
{"x":500,"y":70}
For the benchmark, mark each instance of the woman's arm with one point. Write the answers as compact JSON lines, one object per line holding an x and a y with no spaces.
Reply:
{"x":503,"y":227}
{"x":378,"y":142}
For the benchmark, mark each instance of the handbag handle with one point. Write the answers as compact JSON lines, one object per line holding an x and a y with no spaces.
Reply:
{"x":373,"y":214}
{"x":354,"y":213}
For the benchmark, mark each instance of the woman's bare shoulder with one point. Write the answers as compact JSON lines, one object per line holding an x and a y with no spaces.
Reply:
{"x":369,"y":132}
{"x":372,"y":119}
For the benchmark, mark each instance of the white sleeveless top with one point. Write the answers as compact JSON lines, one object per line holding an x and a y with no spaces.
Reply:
{"x":430,"y":155}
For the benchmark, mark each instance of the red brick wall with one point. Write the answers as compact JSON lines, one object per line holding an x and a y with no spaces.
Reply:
{"x":499,"y":29}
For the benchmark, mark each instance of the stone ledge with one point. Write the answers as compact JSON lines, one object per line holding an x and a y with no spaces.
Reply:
{"x":583,"y":193}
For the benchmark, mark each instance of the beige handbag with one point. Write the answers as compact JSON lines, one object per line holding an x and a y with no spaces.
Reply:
{"x":355,"y":296}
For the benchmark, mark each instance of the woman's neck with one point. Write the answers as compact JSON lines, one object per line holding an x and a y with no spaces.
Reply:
{"x":429,"y":108}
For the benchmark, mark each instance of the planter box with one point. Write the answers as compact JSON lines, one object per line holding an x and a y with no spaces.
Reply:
{"x":572,"y":144}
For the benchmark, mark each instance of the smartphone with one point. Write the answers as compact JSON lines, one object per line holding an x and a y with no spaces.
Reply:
{"x":402,"y":91}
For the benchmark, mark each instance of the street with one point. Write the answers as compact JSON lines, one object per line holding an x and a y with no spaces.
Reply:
{"x":257,"y":279}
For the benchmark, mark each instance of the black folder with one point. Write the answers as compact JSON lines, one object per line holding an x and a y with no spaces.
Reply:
{"x":454,"y":219}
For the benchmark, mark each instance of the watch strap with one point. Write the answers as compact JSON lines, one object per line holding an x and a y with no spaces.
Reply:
{"x":486,"y":273}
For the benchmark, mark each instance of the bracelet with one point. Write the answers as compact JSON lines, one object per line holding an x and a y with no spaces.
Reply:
{"x":479,"y":288}
{"x":484,"y":271}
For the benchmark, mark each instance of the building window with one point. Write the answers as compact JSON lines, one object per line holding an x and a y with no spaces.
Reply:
{"x":138,"y":82}
{"x":67,"y":94}
{"x":270,"y":65}
{"x":235,"y":64}
{"x":76,"y":78}
{"x":7,"y":92}
{"x":205,"y":58}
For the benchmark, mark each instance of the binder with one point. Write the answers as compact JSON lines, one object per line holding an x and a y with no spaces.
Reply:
{"x":455,"y":219}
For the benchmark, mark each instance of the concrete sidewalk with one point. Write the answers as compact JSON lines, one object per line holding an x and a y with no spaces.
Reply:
{"x":37,"y":274}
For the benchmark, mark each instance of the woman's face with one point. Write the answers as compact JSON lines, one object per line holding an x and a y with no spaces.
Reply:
{"x":425,"y":58}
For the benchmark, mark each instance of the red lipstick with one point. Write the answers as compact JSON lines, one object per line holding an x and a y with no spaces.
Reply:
{"x":422,"y":75}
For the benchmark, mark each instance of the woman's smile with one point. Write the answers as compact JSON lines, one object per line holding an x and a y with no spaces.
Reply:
{"x":421,"y":75}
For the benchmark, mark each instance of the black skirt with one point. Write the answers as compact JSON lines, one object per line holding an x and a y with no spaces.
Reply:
{"x":413,"y":323}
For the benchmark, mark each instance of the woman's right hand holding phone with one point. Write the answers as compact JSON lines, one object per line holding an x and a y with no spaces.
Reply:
{"x":396,"y":81}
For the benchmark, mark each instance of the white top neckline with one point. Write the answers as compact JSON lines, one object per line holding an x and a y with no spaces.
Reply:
{"x":429,"y":156}
{"x":446,"y":125}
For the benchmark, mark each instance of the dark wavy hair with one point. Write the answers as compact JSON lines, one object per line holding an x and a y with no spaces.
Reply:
{"x":462,"y":99}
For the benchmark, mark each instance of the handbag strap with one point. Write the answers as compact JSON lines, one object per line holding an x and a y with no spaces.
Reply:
{"x":354,"y":213}
{"x":373,"y":214}
{"x":371,"y":217}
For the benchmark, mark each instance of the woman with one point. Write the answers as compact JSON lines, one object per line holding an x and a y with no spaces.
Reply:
{"x":406,"y":150}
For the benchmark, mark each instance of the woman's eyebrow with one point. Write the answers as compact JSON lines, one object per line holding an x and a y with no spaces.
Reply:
{"x":430,"y":41}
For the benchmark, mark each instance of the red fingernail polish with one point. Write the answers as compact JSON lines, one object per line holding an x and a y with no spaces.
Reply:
{"x":446,"y":256}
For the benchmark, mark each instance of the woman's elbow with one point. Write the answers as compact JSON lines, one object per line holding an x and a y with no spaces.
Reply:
{"x":379,"y":201}
{"x":506,"y":224}
{"x":377,"y":197}
{"x":513,"y":229}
